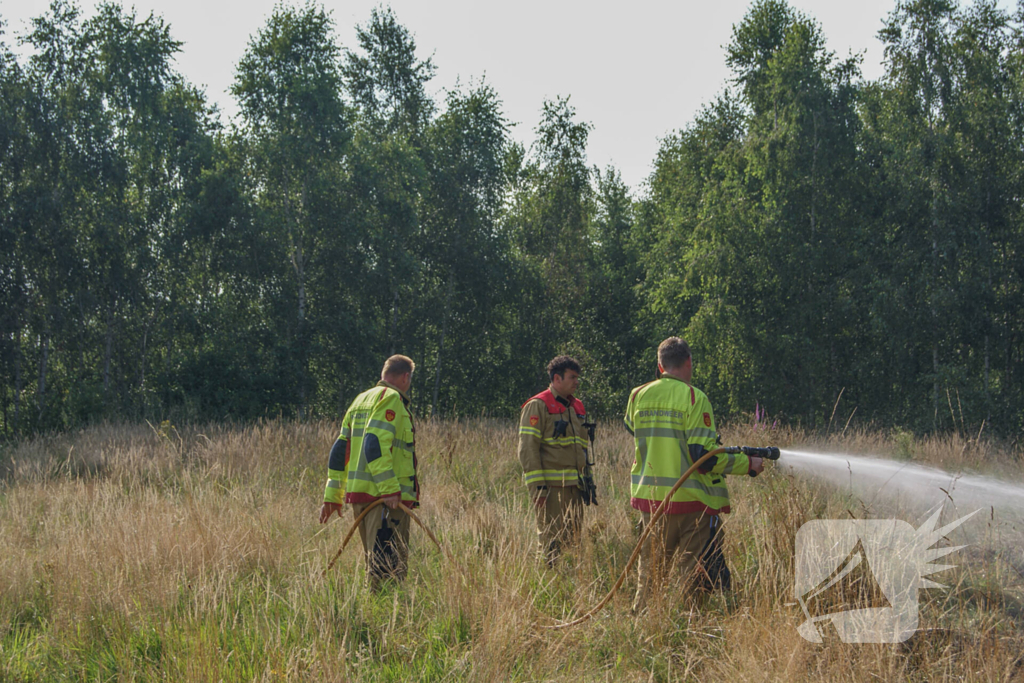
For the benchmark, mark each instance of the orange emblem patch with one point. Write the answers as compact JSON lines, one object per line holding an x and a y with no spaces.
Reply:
{"x":390,"y":415}
{"x":534,"y":419}
{"x":707,"y":420}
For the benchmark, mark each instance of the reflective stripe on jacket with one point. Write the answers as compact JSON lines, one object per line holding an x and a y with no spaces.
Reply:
{"x":548,"y":460}
{"x":672,"y":426}
{"x":380,"y":452}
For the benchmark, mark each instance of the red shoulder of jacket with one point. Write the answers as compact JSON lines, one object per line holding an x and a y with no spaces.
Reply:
{"x":553,"y":406}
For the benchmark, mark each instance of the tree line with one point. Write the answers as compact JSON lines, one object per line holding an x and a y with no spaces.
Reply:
{"x":812,"y":234}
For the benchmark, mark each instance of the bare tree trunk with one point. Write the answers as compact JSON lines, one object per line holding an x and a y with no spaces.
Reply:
{"x":1008,"y":360}
{"x":988,"y":365}
{"x":935,"y":385}
{"x":42,"y":370}
{"x":394,"y":319}
{"x":440,"y":346}
{"x":814,"y":172}
{"x":935,"y":313}
{"x":300,"y":272}
{"x":108,"y":352}
{"x":298,"y":258}
{"x":988,"y":312}
{"x":812,"y":407}
{"x":142,"y":359}
{"x":17,"y":374}
{"x":341,"y":398}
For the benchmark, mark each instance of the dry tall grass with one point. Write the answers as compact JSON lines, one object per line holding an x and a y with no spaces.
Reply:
{"x":141,"y":553}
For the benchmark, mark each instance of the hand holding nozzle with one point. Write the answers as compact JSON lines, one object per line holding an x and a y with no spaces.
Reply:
{"x":756,"y":454}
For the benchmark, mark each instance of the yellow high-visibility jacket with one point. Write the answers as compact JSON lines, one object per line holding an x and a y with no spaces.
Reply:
{"x":375,"y":455}
{"x":672,"y":426}
{"x":548,"y":460}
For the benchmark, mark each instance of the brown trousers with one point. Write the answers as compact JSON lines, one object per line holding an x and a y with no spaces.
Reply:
{"x":559,"y":521}
{"x":385,"y":536}
{"x":686,"y":533}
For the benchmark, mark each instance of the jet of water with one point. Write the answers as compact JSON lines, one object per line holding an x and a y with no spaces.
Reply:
{"x":891,"y":485}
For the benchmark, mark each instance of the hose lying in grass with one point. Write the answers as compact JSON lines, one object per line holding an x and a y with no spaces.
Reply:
{"x":658,"y":513}
{"x":415,"y":518}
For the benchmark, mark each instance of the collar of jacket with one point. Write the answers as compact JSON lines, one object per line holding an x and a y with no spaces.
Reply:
{"x":564,"y":400}
{"x":693,"y":395}
{"x":389,"y":385}
{"x":556,"y":404}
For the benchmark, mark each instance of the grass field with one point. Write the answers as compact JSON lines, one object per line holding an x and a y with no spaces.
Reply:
{"x":156,"y":553}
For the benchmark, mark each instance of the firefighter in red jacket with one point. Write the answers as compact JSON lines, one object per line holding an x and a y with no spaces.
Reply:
{"x":553,"y":453}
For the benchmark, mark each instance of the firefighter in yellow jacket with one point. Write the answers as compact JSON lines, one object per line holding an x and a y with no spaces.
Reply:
{"x":375,"y":458}
{"x":673,"y":425}
{"x":553,"y":453}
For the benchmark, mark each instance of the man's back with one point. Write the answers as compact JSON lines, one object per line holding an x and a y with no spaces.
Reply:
{"x":673,"y":425}
{"x":381,"y":435}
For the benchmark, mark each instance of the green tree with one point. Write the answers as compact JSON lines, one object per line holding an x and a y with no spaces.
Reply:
{"x":464,"y":256}
{"x":130,"y":71}
{"x":753,"y":226}
{"x":65,"y":162}
{"x":387,"y":81}
{"x":942,"y":128}
{"x":288,"y":87}
{"x":549,"y":222}
{"x":616,"y":339}
{"x":107,"y":127}
{"x":14,"y":148}
{"x":389,"y":179}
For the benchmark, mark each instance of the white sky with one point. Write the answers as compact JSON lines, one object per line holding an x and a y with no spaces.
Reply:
{"x":636,"y":73}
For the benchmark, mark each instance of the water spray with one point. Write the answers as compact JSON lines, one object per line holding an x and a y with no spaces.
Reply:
{"x":906,"y":483}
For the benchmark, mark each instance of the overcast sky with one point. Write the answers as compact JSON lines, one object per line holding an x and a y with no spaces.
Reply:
{"x":636,"y":72}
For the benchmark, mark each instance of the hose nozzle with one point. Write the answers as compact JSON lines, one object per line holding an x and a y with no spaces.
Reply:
{"x":768,"y":452}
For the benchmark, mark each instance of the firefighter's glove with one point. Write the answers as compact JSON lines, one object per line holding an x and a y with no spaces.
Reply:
{"x":756,"y":466}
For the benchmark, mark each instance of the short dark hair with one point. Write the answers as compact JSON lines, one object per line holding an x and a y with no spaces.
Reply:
{"x":398,"y":365}
{"x":672,"y":353}
{"x":559,"y":364}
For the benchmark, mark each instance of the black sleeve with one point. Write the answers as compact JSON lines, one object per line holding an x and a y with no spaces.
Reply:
{"x":337,"y":461}
{"x":697,"y":451}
